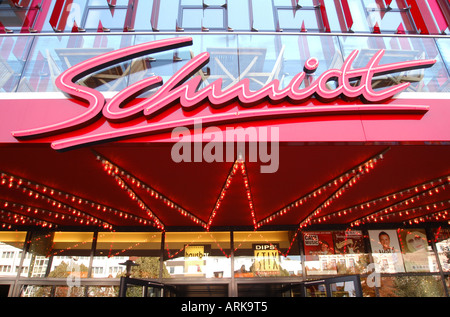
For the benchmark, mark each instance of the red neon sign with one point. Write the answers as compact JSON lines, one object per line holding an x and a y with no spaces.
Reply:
{"x":181,"y":87}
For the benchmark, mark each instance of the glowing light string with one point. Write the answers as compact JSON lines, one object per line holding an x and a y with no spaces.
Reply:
{"x":386,"y":198}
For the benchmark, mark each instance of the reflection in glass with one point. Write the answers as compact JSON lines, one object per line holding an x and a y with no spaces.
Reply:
{"x":14,"y":53}
{"x":71,"y":255}
{"x":50,"y":56}
{"x":343,"y":289}
{"x":114,"y":248}
{"x":411,"y":286}
{"x":398,"y":49}
{"x":11,"y":249}
{"x":198,"y":254}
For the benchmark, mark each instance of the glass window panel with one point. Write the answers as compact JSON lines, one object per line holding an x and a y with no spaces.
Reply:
{"x":222,"y":49}
{"x":442,"y":240}
{"x":51,"y":55}
{"x":191,"y":2}
{"x":208,"y":18}
{"x":238,"y":15}
{"x":337,"y":22}
{"x":359,"y":16}
{"x":168,"y":14}
{"x":266,"y":254}
{"x":411,"y":286}
{"x":104,"y":3}
{"x":143,"y":16}
{"x":444,"y":49}
{"x":13,"y":53}
{"x":267,"y":57}
{"x":36,"y":291}
{"x":115,"y":248}
{"x":334,"y":252}
{"x":290,"y":20}
{"x":215,"y":2}
{"x":37,"y":256}
{"x":391,"y":21}
{"x":263,"y":19}
{"x":67,"y":291}
{"x":71,"y":256}
{"x":343,"y":289}
{"x":103,"y":291}
{"x":399,"y":49}
{"x":106,"y":17}
{"x":374,"y":4}
{"x":417,"y":254}
{"x":192,"y":18}
{"x":198,"y":254}
{"x":315,"y":290}
{"x":11,"y":249}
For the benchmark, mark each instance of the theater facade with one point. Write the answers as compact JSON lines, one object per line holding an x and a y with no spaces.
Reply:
{"x":271,"y":148}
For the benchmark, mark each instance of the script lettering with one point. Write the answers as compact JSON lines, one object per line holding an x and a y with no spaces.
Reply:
{"x":184,"y":88}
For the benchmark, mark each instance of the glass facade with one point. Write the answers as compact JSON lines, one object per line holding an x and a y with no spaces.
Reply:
{"x":363,"y":16}
{"x":31,"y":64}
{"x":390,"y":262}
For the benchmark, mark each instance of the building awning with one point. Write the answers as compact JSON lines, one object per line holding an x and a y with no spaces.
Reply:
{"x":138,"y":186}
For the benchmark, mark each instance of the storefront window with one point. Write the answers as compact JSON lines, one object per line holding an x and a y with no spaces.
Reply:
{"x":402,"y":250}
{"x":71,"y":255}
{"x":115,"y":248}
{"x":266,"y":254}
{"x":13,"y":54}
{"x":334,"y":252}
{"x":11,"y":249}
{"x":197,"y":254}
{"x":442,"y":240}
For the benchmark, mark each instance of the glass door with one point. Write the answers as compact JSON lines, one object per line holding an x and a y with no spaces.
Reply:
{"x":133,"y":287}
{"x":343,"y":286}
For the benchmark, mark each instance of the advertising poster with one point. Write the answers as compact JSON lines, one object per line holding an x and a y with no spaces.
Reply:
{"x":442,"y":238}
{"x":194,"y":263}
{"x":415,"y":250}
{"x":386,"y":251}
{"x":267,"y":260}
{"x":350,"y":250}
{"x":348,"y":242}
{"x":319,"y":252}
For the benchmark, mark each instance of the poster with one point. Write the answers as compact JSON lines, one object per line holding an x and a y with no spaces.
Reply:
{"x":415,"y":250}
{"x":194,"y":263}
{"x":267,"y":260}
{"x":386,"y":251}
{"x":319,"y":252}
{"x":442,"y":238}
{"x":348,"y":242}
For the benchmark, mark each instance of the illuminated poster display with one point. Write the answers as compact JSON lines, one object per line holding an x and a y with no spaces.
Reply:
{"x":194,"y":259}
{"x":348,"y":242}
{"x":386,"y":251}
{"x":267,"y":260}
{"x":442,"y":238}
{"x":319,"y":252}
{"x":414,"y":248}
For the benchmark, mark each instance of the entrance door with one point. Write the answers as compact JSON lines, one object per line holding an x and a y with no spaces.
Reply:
{"x":343,"y":286}
{"x":132,"y":287}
